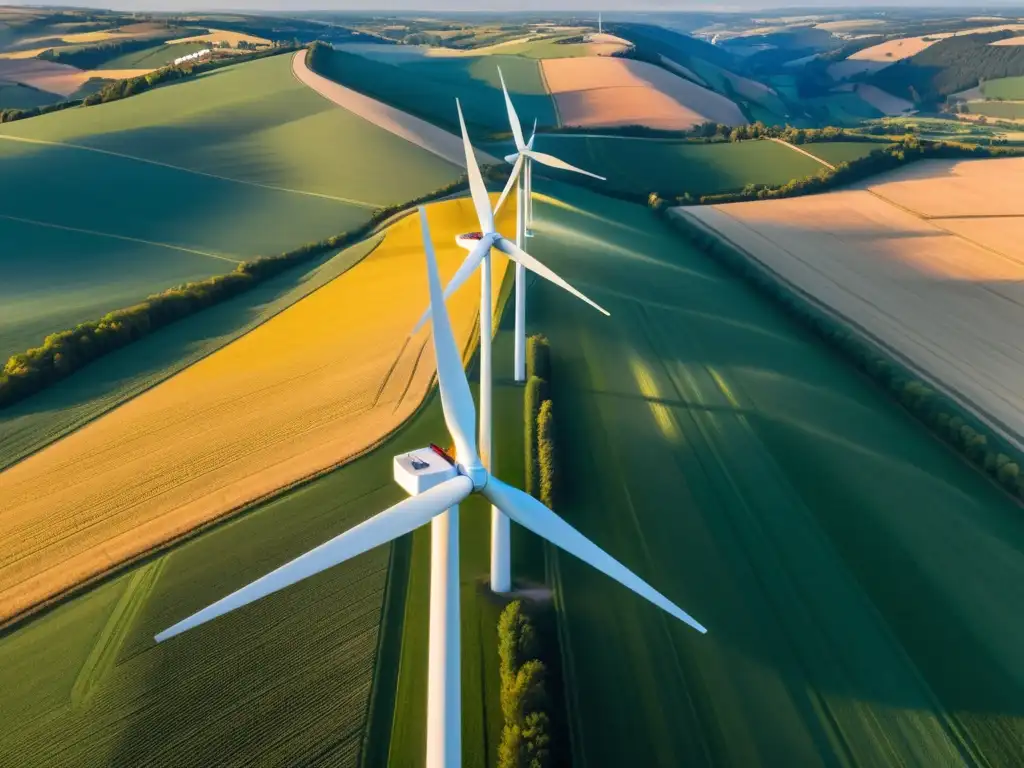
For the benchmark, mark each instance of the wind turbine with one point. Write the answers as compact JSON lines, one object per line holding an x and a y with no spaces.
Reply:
{"x":479,"y":245}
{"x":438,"y":483}
{"x":522,"y":172}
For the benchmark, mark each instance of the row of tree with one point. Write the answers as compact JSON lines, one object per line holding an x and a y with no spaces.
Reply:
{"x":526,"y":733}
{"x":910,"y":149}
{"x":956,"y":425}
{"x":96,"y":55}
{"x":539,"y":473}
{"x":63,"y":353}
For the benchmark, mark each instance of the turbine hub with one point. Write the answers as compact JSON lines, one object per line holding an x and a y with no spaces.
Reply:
{"x":477,"y":473}
{"x":511,"y":159}
{"x":469,"y":240}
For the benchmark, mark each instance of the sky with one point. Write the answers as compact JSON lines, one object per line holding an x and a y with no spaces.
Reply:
{"x":517,"y":5}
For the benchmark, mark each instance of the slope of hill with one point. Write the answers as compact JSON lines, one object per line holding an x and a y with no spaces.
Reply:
{"x":232,"y":166}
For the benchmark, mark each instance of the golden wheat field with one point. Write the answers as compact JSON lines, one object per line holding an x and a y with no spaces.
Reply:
{"x":315,"y":385}
{"x":918,"y":262}
{"x":221,"y":36}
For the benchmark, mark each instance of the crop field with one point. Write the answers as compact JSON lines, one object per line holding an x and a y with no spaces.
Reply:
{"x":835,"y":152}
{"x":646,"y":165}
{"x":1007,"y":110}
{"x":1004,"y":88}
{"x":612,"y":91}
{"x":238,"y":175}
{"x":304,"y":394}
{"x":17,"y":96}
{"x":427,"y":87}
{"x":251,"y":122}
{"x":221,"y":36}
{"x":926,"y":260}
{"x":288,"y":680}
{"x":155,"y":57}
{"x":858,"y":579}
{"x":58,"y":79}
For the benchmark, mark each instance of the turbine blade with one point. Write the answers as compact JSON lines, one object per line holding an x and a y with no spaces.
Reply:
{"x":513,"y":118}
{"x":530,"y":513}
{"x":477,"y":190}
{"x":472,"y":261}
{"x":508,"y":184}
{"x":533,"y":135}
{"x":520,"y":256}
{"x":554,"y":162}
{"x":456,"y":399}
{"x":403,"y":517}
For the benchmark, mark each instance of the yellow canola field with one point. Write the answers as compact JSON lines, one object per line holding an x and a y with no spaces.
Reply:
{"x":317,"y":384}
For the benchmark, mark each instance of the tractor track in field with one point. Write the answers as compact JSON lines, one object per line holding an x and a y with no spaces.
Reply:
{"x":160,"y":164}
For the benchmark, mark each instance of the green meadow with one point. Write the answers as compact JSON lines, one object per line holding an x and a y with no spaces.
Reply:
{"x":836,"y":152}
{"x":1004,"y":88}
{"x":640,"y":166}
{"x":1006,"y":110}
{"x":104,"y":205}
{"x":427,"y":86}
{"x":859,"y":581}
{"x":153,"y":58}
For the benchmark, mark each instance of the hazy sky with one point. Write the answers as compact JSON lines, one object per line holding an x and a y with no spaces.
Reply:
{"x":524,"y":5}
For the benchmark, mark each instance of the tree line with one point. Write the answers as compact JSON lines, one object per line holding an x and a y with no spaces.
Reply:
{"x":65,"y":352}
{"x":96,"y":55}
{"x":952,"y":422}
{"x":908,"y":150}
{"x":122,"y":89}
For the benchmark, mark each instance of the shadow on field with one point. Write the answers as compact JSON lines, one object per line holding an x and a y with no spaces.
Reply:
{"x":860,"y":582}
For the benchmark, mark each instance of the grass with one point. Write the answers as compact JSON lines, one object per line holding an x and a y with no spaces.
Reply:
{"x":852,"y":571}
{"x":836,"y":152}
{"x":153,"y":58}
{"x":249,"y":175}
{"x":1007,"y":110}
{"x":1004,"y":88}
{"x":643,"y":165}
{"x":427,"y":87}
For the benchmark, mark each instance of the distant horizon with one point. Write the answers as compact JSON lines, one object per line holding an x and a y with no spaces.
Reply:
{"x":528,"y":6}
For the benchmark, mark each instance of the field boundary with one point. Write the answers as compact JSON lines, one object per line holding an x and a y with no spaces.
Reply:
{"x":678,"y":216}
{"x":96,"y":233}
{"x":271,"y":187}
{"x":795,"y":148}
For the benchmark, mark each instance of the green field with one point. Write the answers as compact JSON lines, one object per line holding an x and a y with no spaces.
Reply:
{"x":860,"y":583}
{"x":836,"y":152}
{"x":670,"y":166}
{"x":240,"y":166}
{"x":1006,"y":110}
{"x":153,"y":58}
{"x":1004,"y":88}
{"x":16,"y":96}
{"x":427,"y":87}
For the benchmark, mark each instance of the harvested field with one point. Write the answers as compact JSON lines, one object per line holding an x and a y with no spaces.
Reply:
{"x":607,"y":92}
{"x":894,"y":50}
{"x":320,"y":382}
{"x":884,"y":102}
{"x":927,"y":261}
{"x":221,"y":36}
{"x":60,"y":79}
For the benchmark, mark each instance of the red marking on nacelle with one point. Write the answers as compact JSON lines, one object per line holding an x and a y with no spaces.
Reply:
{"x":442,"y":453}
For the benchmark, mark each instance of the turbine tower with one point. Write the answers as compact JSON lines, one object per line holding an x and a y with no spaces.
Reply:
{"x":438,"y":483}
{"x":522,"y":175}
{"x":479,"y":245}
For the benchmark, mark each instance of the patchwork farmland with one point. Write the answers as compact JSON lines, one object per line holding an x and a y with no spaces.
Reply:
{"x":836,"y":551}
{"x":303,"y":398}
{"x":233,"y":169}
{"x":925,"y":260}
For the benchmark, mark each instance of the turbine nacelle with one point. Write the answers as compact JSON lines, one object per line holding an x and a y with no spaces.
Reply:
{"x":425,"y":468}
{"x":467,"y":241}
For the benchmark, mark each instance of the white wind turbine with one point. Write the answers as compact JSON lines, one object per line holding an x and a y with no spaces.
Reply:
{"x":479,"y":245}
{"x":437,"y":484}
{"x":522,"y":172}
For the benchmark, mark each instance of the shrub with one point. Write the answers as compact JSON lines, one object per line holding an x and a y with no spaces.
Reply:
{"x":546,"y":454}
{"x":536,"y":393}
{"x":538,"y":357}
{"x":525,"y":737}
